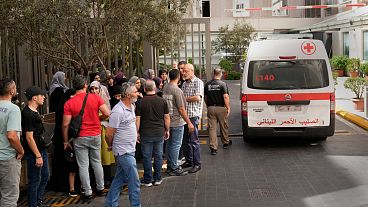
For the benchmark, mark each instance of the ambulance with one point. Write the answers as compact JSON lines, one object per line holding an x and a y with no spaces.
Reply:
{"x":287,"y":90}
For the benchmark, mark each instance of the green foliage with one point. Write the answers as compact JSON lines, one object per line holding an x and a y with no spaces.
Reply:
{"x":226,"y":64}
{"x":354,"y":64}
{"x":235,"y":40}
{"x":233,"y":75}
{"x":340,"y":62}
{"x":364,"y":68}
{"x":82,"y":33}
{"x":356,"y":85}
{"x":334,"y":76}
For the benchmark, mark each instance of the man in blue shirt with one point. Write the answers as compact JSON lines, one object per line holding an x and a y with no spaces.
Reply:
{"x":11,"y":150}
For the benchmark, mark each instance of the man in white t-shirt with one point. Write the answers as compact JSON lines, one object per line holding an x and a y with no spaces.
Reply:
{"x":121,"y":137}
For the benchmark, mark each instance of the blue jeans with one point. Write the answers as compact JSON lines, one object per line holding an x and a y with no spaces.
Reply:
{"x":152,"y":146}
{"x":37,"y":178}
{"x":191,"y":143}
{"x":126,"y":172}
{"x":88,"y":150}
{"x":173,"y":146}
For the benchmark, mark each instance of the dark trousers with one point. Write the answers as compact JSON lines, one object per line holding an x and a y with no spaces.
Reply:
{"x":191,"y":145}
{"x":37,"y":178}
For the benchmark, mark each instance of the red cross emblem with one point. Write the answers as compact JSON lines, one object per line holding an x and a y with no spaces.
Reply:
{"x":308,"y":48}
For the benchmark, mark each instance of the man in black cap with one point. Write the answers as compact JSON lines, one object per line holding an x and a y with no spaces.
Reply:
{"x":37,"y":162}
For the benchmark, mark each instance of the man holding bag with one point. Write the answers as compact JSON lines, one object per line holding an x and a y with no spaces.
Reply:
{"x":87,"y":145}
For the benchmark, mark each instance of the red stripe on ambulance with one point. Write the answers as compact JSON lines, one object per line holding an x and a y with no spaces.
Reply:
{"x":294,"y":96}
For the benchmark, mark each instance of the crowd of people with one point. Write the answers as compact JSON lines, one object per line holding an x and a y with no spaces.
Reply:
{"x":122,"y":120}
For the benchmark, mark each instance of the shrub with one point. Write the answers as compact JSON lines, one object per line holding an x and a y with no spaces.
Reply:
{"x":353,"y":65}
{"x":233,"y":75}
{"x":226,"y":64}
{"x":364,"y":68}
{"x":356,"y":85}
{"x":339,"y":62}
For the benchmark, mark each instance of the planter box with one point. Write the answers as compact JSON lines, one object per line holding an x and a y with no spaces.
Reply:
{"x":340,"y":73}
{"x":354,"y":74}
{"x":359,"y":104}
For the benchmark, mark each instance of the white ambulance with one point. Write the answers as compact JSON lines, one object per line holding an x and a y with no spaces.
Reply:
{"x":287,"y":90}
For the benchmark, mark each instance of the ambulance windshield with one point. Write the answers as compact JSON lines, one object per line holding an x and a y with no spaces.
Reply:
{"x":292,"y":75}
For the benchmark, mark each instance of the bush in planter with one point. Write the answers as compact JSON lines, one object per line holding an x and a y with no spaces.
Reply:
{"x":339,"y":62}
{"x":353,"y":67}
{"x":356,"y":85}
{"x":364,"y":69}
{"x":233,"y":75}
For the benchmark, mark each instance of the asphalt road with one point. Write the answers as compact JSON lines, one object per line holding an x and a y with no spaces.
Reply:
{"x":274,"y":172}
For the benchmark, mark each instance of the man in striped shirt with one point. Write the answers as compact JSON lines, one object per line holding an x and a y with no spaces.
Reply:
{"x":193,"y":91}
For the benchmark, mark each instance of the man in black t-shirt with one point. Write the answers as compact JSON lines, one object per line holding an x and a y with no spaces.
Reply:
{"x":216,"y":96}
{"x":37,"y":161}
{"x":153,"y":124}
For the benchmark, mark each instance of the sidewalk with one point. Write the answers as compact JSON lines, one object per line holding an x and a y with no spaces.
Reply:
{"x":345,"y":107}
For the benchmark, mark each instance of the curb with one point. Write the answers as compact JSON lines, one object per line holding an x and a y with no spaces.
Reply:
{"x":358,"y":120}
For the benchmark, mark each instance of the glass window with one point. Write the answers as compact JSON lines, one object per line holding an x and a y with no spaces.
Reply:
{"x":346,"y":44}
{"x":365,"y":45}
{"x":292,"y":75}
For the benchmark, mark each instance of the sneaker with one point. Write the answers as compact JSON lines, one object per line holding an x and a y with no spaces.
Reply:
{"x":181,"y":161}
{"x":186,"y":165}
{"x":87,"y":198}
{"x":157,"y":182}
{"x":101,"y":193}
{"x":178,"y":172}
{"x":72,"y":193}
{"x":168,"y":170}
{"x":195,"y":169}
{"x":143,"y":183}
{"x":213,"y":151}
{"x":225,"y":146}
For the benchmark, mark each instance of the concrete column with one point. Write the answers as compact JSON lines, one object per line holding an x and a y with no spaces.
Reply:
{"x":337,"y":43}
{"x":147,"y":55}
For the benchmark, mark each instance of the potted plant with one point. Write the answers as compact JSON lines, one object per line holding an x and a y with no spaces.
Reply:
{"x":357,"y":85}
{"x":353,"y":67}
{"x":339,"y":64}
{"x":364,"y":70}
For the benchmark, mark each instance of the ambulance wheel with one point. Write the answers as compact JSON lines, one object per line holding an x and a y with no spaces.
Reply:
{"x":247,"y":139}
{"x":321,"y":139}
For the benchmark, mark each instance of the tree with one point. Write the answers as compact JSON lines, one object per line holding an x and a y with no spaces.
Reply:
{"x":81,"y":33}
{"x":234,"y":41}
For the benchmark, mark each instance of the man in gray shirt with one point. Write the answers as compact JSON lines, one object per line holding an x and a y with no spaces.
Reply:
{"x":121,"y":137}
{"x":178,"y":116}
{"x":11,"y":150}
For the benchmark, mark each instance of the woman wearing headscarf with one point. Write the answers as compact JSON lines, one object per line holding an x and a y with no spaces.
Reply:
{"x":137,"y":82}
{"x":107,"y":157}
{"x":149,"y":74}
{"x":61,"y":179}
{"x":57,"y":89}
{"x":97,"y":88}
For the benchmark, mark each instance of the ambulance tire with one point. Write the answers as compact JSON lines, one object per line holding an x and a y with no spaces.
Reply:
{"x":247,"y":139}
{"x":321,"y":139}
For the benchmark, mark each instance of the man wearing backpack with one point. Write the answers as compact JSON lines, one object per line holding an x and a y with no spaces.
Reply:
{"x":87,"y":145}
